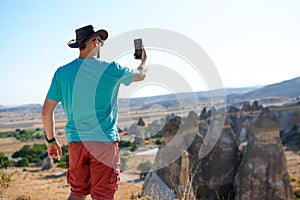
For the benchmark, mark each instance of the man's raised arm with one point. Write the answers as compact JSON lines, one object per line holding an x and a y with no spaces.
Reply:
{"x":141,"y":71}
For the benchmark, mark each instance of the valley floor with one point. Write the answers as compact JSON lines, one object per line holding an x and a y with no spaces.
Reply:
{"x":34,"y":184}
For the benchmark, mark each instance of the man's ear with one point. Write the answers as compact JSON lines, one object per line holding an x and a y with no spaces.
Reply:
{"x":95,"y":43}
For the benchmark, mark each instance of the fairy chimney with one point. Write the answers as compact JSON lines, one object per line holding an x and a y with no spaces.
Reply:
{"x":262,"y":173}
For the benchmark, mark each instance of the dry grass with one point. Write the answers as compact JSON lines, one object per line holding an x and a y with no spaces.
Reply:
{"x":10,"y":145}
{"x":293,"y":163}
{"x":35,"y":184}
{"x":14,"y":120}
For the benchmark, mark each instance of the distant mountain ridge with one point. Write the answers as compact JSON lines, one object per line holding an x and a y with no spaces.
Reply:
{"x":286,"y":89}
{"x":289,"y":89}
{"x":169,"y":100}
{"x":22,"y":108}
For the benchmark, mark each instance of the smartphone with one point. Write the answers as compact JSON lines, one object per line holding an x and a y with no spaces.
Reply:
{"x":138,"y":45}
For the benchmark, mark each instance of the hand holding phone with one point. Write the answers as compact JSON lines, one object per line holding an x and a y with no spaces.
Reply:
{"x":138,"y":48}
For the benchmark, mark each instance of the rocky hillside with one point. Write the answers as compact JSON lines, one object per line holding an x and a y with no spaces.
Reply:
{"x":247,"y":161}
{"x":288,"y":88}
{"x":279,"y":92}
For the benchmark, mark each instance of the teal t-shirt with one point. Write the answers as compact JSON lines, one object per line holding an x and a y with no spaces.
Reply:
{"x":88,"y":91}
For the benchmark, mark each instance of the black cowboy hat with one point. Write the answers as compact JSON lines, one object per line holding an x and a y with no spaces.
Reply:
{"x":84,"y":34}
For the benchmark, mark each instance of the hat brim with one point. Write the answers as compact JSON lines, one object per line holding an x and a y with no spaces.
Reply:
{"x":103,"y":34}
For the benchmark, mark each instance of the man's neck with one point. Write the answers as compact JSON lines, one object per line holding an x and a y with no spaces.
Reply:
{"x":87,"y":54}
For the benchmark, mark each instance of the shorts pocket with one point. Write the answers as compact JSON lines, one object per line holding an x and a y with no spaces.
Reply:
{"x":75,"y":147}
{"x":114,"y":180}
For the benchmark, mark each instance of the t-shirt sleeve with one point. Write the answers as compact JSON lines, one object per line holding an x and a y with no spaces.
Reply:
{"x":126,"y":75}
{"x":54,"y":92}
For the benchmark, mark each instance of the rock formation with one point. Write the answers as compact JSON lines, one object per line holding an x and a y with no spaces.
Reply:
{"x":204,"y":114}
{"x":141,"y":122}
{"x":247,"y":107}
{"x":258,"y":171}
{"x":214,"y":174}
{"x":233,"y":109}
{"x":256,"y":106}
{"x":172,"y":160}
{"x":262,"y":173}
{"x":138,"y":131}
{"x":47,"y":163}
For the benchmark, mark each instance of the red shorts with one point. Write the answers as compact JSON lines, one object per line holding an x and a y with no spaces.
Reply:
{"x":94,"y":168}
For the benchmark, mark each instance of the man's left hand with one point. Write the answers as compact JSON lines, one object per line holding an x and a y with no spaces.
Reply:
{"x":54,"y":150}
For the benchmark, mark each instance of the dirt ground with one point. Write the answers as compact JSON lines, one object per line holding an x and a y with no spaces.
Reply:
{"x":31,"y":183}
{"x":34,"y":184}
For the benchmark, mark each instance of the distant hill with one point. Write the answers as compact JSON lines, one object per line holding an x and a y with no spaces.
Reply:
{"x":279,"y":91}
{"x":22,"y":108}
{"x":181,"y":99}
{"x":288,"y":89}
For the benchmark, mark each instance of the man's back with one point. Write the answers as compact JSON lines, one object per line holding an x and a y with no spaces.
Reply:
{"x":88,"y":90}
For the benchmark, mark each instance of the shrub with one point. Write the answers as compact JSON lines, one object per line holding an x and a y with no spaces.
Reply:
{"x":24,"y":135}
{"x":123,"y":161}
{"x":4,"y":162}
{"x":297,"y":193}
{"x":33,"y":154}
{"x":145,"y":166}
{"x":62,"y":164}
{"x":64,"y":160}
{"x":133,"y":147}
{"x":158,"y":142}
{"x":292,"y":179}
{"x":7,"y":134}
{"x":156,"y":135}
{"x":23,"y":162}
{"x":5,"y":179}
{"x":124,"y":144}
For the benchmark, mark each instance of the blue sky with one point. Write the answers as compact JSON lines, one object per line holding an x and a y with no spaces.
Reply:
{"x":251,"y":42}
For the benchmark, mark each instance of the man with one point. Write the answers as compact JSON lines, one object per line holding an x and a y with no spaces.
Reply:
{"x":88,"y":89}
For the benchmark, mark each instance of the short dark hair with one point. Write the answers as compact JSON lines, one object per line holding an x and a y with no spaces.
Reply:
{"x":82,"y":47}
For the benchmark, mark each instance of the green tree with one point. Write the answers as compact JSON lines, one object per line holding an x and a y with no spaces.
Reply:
{"x":4,"y":161}
{"x":33,"y":154}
